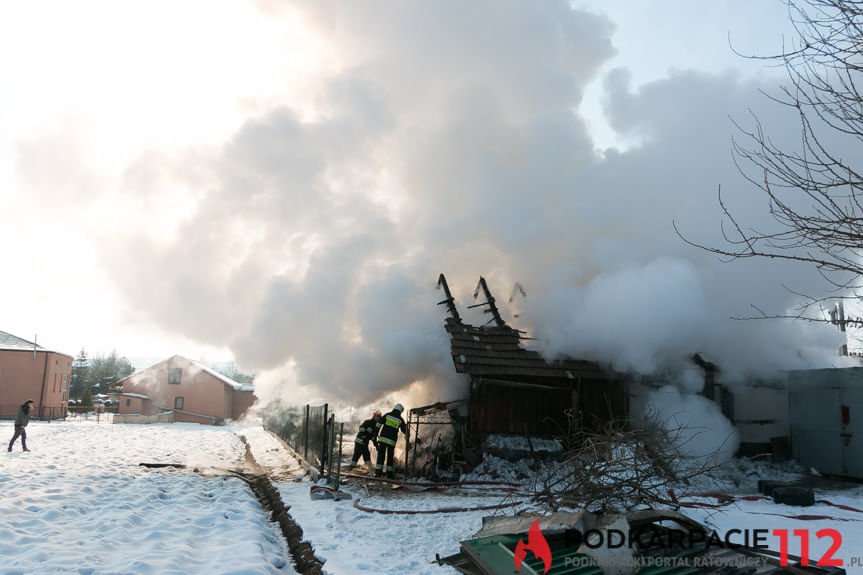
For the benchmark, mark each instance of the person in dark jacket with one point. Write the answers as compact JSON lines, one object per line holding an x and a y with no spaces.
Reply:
{"x":368,"y":432}
{"x":22,"y":418}
{"x":390,"y":425}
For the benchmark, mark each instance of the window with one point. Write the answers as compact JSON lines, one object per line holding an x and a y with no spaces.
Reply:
{"x":174,"y":375}
{"x":128,"y":402}
{"x":178,"y":403}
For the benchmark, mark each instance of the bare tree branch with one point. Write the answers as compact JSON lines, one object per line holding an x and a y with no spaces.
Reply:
{"x":623,"y":466}
{"x":813,"y":193}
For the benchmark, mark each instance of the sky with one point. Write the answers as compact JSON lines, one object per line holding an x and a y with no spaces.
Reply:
{"x":280,"y":183}
{"x":68,"y":508}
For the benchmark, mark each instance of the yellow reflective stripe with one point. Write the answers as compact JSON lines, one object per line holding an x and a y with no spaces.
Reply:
{"x":387,"y":441}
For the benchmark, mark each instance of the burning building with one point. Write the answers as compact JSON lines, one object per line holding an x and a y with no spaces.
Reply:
{"x":514,"y":390}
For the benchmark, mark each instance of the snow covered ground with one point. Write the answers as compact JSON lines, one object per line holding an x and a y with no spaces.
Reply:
{"x":80,"y":503}
{"x":359,"y":542}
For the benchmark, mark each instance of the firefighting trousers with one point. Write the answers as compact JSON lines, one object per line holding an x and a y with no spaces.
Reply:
{"x":361,"y":450}
{"x":386,"y":454}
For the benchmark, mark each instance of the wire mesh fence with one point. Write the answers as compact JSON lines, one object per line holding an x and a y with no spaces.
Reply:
{"x":433,"y":448}
{"x":303,"y":428}
{"x":436,"y":439}
{"x":335,"y":450}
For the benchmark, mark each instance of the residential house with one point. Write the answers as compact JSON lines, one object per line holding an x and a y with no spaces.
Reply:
{"x":193,"y":392}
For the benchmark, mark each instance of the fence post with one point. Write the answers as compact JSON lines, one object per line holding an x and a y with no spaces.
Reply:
{"x":324,"y":438}
{"x":306,"y":434}
{"x":329,"y":450}
{"x":339,"y":458}
{"x":408,"y":443}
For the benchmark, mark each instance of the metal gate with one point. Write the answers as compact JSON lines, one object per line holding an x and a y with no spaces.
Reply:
{"x":436,"y":440}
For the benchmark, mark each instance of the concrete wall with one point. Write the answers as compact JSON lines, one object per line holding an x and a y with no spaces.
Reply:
{"x":43,"y":377}
{"x":138,"y":418}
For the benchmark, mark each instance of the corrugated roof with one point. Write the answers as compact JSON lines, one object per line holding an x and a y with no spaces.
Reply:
{"x":496,"y":351}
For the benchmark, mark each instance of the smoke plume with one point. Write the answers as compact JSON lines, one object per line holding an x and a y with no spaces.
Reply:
{"x":444,"y":137}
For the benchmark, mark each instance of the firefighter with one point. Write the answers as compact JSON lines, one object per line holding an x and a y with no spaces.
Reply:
{"x":391,"y":423}
{"x":368,"y":432}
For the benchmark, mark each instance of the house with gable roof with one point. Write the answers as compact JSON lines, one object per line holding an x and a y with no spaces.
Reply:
{"x":192,"y":392}
{"x":30,"y":371}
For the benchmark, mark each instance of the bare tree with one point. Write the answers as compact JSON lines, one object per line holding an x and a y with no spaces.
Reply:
{"x":813,"y":192}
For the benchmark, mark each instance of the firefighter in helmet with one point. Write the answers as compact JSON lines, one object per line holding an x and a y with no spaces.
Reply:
{"x":368,"y":432}
{"x":391,"y":423}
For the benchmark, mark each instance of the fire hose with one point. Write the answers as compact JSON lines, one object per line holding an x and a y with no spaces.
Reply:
{"x":724,"y":499}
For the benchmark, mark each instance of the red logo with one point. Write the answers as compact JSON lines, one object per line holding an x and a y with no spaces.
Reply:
{"x":535,"y":542}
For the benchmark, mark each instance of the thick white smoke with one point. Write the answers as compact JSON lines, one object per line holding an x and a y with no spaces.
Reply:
{"x":442,"y":137}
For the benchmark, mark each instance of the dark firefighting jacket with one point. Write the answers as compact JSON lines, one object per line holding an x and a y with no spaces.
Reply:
{"x":368,"y":431}
{"x":391,"y":423}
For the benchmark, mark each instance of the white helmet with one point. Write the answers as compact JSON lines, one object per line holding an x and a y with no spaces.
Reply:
{"x":399,"y":407}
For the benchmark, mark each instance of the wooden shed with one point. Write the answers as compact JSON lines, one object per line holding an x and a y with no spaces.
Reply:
{"x":516,"y":390}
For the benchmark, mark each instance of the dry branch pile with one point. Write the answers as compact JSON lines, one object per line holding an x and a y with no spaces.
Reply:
{"x":622,"y":466}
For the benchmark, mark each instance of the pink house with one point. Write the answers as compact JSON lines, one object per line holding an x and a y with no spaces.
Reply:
{"x":30,"y":371}
{"x":193,"y":392}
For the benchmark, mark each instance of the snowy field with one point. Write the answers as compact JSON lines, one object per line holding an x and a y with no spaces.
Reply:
{"x":80,"y":503}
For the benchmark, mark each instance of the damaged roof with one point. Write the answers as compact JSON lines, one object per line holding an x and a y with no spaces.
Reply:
{"x":496,"y":351}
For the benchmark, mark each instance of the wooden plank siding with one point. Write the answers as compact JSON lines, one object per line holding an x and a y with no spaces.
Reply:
{"x":515,"y":390}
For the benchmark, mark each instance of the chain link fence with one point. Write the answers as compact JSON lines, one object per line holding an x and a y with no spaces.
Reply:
{"x":434,"y":447}
{"x":336,"y":452}
{"x":436,"y":441}
{"x":303,"y":428}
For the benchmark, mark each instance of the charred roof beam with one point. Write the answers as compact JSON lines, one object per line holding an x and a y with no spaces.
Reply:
{"x":449,"y":301}
{"x":489,"y":301}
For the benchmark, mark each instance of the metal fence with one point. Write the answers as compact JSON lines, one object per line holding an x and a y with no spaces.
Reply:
{"x":8,"y":411}
{"x":335,"y":450}
{"x":434,"y":447}
{"x":46,"y":413}
{"x":436,"y":440}
{"x":303,"y":428}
